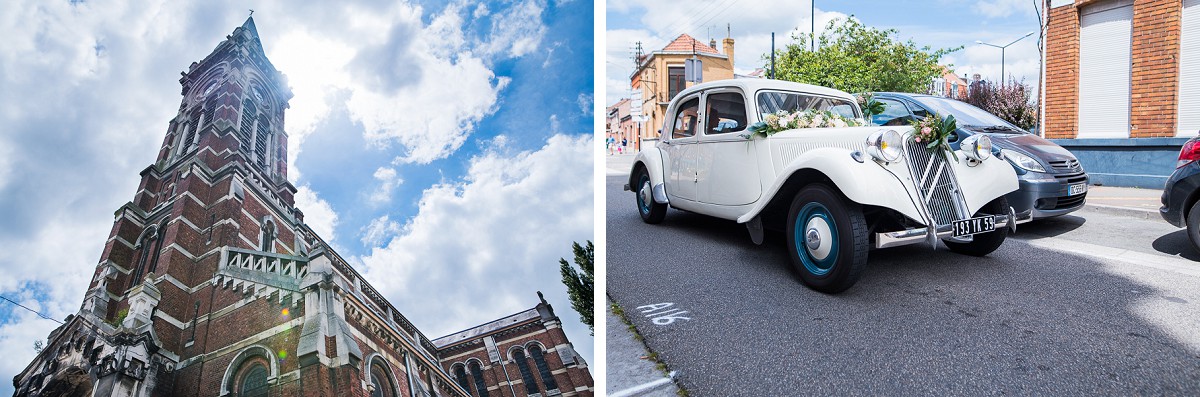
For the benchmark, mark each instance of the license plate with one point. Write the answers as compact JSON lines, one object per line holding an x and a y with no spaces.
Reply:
{"x":967,"y":227}
{"x":1077,"y":189}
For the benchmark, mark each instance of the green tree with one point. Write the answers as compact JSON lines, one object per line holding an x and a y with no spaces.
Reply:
{"x":855,"y":58}
{"x":580,"y":285}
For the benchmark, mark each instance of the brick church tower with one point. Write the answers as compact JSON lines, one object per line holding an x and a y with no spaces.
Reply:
{"x":210,"y":283}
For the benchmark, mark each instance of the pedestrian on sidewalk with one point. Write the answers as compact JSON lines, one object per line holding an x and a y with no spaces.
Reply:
{"x":609,"y":143}
{"x":624,"y":143}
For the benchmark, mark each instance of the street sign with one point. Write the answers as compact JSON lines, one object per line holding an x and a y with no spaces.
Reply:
{"x":693,"y":70}
{"x":635,"y":103}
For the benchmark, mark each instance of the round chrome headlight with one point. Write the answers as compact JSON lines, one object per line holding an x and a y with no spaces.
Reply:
{"x":885,"y":145}
{"x":977,"y":147}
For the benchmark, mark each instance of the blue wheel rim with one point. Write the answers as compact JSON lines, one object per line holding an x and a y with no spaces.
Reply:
{"x":807,"y":213}
{"x":642,"y":204}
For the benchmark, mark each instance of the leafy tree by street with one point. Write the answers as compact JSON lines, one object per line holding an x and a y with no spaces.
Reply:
{"x":1010,"y":102}
{"x":580,"y":285}
{"x":853,"y":57}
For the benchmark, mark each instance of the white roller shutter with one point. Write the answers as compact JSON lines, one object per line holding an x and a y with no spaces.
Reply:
{"x":1189,"y":70}
{"x":1104,"y":43}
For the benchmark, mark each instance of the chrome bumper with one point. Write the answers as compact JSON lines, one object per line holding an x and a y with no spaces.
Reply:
{"x":916,"y":235}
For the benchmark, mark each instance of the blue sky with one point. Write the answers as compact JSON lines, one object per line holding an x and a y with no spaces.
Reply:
{"x":935,"y":23}
{"x":444,"y":148}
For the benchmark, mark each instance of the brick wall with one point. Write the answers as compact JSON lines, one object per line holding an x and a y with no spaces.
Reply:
{"x":1062,"y":77}
{"x":1155,"y":74}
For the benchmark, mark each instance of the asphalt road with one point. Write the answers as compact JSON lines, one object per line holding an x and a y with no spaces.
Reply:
{"x":1094,"y":304}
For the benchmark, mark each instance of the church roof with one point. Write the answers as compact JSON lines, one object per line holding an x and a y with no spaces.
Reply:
{"x":487,"y":328}
{"x":686,"y":43}
{"x":249,"y":25}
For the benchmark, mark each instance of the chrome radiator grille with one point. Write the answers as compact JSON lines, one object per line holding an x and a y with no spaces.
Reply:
{"x":935,"y":183}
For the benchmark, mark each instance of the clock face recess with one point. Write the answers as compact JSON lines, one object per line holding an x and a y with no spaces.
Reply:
{"x":258,"y":95}
{"x":212,"y":86}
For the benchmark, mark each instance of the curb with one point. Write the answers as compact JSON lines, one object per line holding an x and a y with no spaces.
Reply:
{"x":1123,"y":211}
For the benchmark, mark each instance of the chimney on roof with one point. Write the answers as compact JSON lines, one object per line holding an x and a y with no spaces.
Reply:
{"x":728,"y":47}
{"x":712,"y":43}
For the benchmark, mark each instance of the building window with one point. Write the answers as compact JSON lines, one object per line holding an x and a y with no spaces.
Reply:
{"x":477,"y":376}
{"x":539,"y":358}
{"x":268,"y":236}
{"x":675,"y":81}
{"x":261,"y":135}
{"x":526,"y":375}
{"x":210,"y":111}
{"x":460,"y":376}
{"x":381,"y":382}
{"x":247,"y":126}
{"x":252,"y":379}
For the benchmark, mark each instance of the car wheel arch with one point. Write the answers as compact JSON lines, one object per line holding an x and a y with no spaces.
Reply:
{"x":774,"y":214}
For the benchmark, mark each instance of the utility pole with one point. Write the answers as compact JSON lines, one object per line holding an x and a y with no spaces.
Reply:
{"x":812,"y":9}
{"x":772,"y":74}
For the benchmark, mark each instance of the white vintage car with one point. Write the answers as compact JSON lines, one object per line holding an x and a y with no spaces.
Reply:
{"x":836,"y":192}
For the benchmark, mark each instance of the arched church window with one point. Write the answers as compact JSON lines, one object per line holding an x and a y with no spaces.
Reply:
{"x":381,"y":382}
{"x":539,"y":358}
{"x":262,"y":140}
{"x":247,"y":125}
{"x":268,"y":236}
{"x":477,"y":375}
{"x":210,"y":110}
{"x":145,"y":246}
{"x":460,"y":376}
{"x":531,"y":386}
{"x":252,"y":378}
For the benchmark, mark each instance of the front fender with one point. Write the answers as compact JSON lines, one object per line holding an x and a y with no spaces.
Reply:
{"x":866,"y":183}
{"x":985,"y":181}
{"x":651,"y":159}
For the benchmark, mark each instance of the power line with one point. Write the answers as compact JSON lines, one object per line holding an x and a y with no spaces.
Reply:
{"x":26,"y":308}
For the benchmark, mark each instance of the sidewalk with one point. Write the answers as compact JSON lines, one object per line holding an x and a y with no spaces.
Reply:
{"x":630,"y":371}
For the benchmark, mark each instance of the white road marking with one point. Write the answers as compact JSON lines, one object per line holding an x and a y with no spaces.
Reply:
{"x":1161,"y":262}
{"x":644,"y":388}
{"x":668,"y":314}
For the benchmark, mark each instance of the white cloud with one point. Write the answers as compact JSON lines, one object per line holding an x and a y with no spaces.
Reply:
{"x":318,"y":214}
{"x":1004,"y":8}
{"x":18,"y":335}
{"x":388,"y":180}
{"x":517,"y":31}
{"x":511,"y":218}
{"x":379,"y":230}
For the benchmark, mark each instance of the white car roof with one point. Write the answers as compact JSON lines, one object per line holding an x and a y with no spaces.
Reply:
{"x":753,"y":85}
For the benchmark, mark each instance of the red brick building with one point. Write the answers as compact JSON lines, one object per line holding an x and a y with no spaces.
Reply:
{"x":211,"y":284}
{"x":1120,"y":77}
{"x":523,"y":354}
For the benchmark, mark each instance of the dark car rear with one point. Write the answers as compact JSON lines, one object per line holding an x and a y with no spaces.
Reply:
{"x":1181,"y":194}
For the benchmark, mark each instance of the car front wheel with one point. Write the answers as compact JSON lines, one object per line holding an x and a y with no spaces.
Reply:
{"x":827,"y":239}
{"x":1193,"y":225}
{"x":984,"y":243}
{"x":651,"y":211}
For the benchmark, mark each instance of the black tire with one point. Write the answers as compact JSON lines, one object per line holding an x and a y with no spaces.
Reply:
{"x":833,"y":261}
{"x":984,"y":243}
{"x":652,"y":212}
{"x":1193,"y":225}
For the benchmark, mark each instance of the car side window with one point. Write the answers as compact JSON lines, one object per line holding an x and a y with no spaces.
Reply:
{"x":725,"y":112}
{"x":686,"y":119}
{"x":893,"y":112}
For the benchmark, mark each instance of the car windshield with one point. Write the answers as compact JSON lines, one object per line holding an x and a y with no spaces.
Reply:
{"x":774,"y":101}
{"x":967,"y":114}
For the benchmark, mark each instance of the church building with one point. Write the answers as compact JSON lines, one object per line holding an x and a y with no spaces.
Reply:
{"x":211,"y":284}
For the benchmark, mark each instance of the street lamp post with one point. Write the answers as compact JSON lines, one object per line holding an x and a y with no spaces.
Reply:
{"x":1002,"y":53}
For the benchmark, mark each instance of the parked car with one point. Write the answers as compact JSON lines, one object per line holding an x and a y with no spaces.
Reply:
{"x":836,"y":192}
{"x":1181,"y":195}
{"x":1051,"y":180}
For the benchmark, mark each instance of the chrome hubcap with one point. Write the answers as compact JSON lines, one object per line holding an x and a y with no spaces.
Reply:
{"x":817,"y":238}
{"x":647,"y":197}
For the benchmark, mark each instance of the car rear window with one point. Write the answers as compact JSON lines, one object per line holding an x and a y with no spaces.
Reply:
{"x":774,"y":101}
